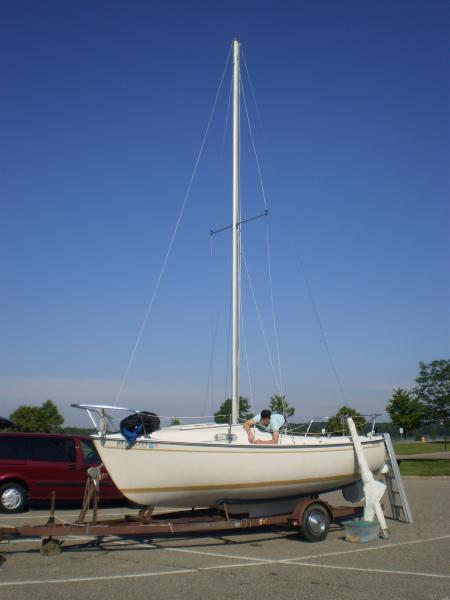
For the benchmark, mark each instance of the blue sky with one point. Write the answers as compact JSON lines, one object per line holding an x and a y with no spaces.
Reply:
{"x":103,"y":109}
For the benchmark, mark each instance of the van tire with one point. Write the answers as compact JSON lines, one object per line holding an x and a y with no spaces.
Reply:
{"x":13,"y":497}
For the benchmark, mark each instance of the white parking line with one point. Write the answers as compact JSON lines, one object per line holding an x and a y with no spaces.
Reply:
{"x":213,"y":568}
{"x":299,"y":561}
{"x":389,"y":571}
{"x":101,"y":578}
{"x":219,"y":555}
{"x":370,"y":548}
{"x":303,"y":558}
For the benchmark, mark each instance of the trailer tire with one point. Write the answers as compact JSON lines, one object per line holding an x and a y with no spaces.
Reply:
{"x":315,"y":523}
{"x":13,"y":497}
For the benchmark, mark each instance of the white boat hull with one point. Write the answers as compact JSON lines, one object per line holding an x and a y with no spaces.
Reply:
{"x":162,"y":472}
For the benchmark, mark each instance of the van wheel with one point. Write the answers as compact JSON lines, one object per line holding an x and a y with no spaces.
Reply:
{"x":13,"y":497}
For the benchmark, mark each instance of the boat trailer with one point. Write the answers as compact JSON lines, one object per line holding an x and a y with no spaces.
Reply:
{"x":311,"y":516}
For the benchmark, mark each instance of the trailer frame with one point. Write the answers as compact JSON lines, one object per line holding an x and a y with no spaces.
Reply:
{"x":311,"y":516}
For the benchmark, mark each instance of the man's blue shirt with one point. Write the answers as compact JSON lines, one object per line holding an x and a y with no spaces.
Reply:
{"x":275,"y":423}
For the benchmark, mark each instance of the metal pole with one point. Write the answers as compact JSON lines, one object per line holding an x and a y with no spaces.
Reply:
{"x":235,"y":238}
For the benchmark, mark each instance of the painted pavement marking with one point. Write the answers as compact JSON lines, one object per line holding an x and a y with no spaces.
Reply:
{"x":366,"y":570}
{"x":383,"y":547}
{"x":252,"y":563}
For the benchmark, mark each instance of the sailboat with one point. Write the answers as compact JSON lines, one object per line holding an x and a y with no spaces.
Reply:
{"x":210,"y":464}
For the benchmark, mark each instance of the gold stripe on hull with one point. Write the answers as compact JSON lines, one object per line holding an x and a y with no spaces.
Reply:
{"x":236,"y":486}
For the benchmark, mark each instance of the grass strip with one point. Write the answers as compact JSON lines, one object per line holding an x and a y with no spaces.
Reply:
{"x":419,"y":447}
{"x":425,"y":468}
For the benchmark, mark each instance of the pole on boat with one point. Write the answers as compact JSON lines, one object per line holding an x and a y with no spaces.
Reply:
{"x":235,"y":239}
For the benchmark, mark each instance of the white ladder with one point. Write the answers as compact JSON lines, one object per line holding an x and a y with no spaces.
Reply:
{"x":396,"y":491}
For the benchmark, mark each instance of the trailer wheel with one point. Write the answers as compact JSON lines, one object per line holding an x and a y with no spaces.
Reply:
{"x":315,"y":523}
{"x":13,"y":497}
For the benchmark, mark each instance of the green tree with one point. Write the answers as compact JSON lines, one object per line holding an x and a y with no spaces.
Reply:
{"x":175,"y":421}
{"x":338,"y":423}
{"x":224,"y":413}
{"x":26,"y":418}
{"x":50,"y":416}
{"x":279,"y":404}
{"x":405,"y":411}
{"x":433,"y":389}
{"x":38,"y":419}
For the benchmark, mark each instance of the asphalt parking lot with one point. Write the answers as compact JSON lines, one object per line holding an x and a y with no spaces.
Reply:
{"x":413,"y":563}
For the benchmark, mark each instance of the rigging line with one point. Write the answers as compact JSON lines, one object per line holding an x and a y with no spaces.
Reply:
{"x":254,"y":148}
{"x":228,"y":113}
{"x":172,"y":239}
{"x":251,"y":85}
{"x":210,"y":381}
{"x":319,"y":323}
{"x":280,"y":378}
{"x":277,"y":383}
{"x":227,"y":366}
{"x":275,"y":328}
{"x":244,"y":343}
{"x":210,"y":377}
{"x":209,"y":393}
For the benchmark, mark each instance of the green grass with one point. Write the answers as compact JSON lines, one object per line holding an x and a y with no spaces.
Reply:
{"x":425,"y":467}
{"x":419,"y":447}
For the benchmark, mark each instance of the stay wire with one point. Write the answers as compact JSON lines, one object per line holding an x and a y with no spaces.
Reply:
{"x":251,"y":85}
{"x":269,"y":355}
{"x":228,"y":358}
{"x":209,"y":392}
{"x":244,"y":343}
{"x":274,"y":320}
{"x":254,"y":149}
{"x":228,"y":114}
{"x":216,"y":318}
{"x":319,"y":324}
{"x":280,"y":378}
{"x":172,"y":239}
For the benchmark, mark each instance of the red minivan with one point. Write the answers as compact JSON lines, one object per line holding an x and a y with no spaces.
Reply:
{"x":34,"y":464}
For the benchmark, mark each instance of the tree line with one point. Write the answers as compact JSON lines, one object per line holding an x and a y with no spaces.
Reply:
{"x":427,"y":402}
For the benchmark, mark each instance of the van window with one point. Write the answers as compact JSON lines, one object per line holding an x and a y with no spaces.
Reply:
{"x":12,"y":447}
{"x":90,"y":454}
{"x":51,"y":449}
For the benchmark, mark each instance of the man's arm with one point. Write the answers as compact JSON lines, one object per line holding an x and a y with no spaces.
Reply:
{"x":247,"y":426}
{"x":274,"y":440}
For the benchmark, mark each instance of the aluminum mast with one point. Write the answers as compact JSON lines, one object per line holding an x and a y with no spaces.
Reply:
{"x":236,"y":239}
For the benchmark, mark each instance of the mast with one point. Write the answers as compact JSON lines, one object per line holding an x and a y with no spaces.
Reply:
{"x":236,"y":279}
